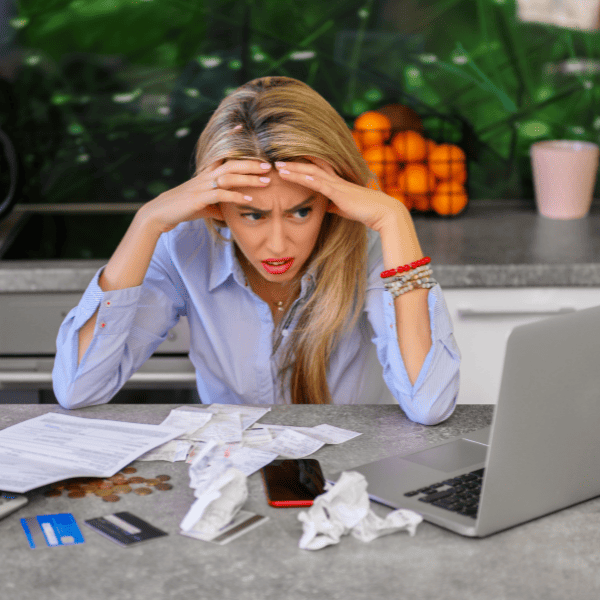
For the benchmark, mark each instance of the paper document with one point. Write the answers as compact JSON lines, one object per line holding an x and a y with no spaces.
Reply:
{"x":190,"y":420}
{"x":53,"y":447}
{"x":292,"y":444}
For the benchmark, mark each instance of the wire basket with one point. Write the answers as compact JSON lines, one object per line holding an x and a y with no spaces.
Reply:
{"x":423,"y":166}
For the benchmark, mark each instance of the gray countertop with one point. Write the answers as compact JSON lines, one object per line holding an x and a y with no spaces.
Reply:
{"x":554,"y":557}
{"x":491,"y":244}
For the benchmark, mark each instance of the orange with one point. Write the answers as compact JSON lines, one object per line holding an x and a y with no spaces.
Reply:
{"x":383,"y":162}
{"x":396,"y":192}
{"x":450,"y":198}
{"x":373,"y":128}
{"x":410,"y":146}
{"x":356,"y":137}
{"x":448,"y":161}
{"x":420,"y":202}
{"x":416,"y":179}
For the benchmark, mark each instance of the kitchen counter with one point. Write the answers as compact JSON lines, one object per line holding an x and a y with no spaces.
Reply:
{"x":550,"y":558}
{"x":491,"y":244}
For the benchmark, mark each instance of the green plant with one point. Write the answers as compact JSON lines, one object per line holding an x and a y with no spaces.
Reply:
{"x":111,"y":96}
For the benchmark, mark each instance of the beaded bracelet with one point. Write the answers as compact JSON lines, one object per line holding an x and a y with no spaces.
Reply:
{"x":404,"y":268}
{"x":408,"y":277}
{"x":396,"y":293}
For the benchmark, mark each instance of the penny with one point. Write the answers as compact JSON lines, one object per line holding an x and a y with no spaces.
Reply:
{"x":111,"y":498}
{"x":152,"y":482}
{"x":51,"y":493}
{"x":101,"y":493}
{"x":76,"y":494}
{"x":143,"y":491}
{"x":106,"y":485}
{"x":163,"y":477}
{"x":136,"y":480}
{"x":122,"y":489}
{"x":119,"y":480}
{"x":163,"y":487}
{"x":88,"y":488}
{"x":73,"y":486}
{"x":129,"y":470}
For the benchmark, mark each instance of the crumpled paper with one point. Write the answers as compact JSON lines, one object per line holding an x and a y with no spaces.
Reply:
{"x":220,"y":489}
{"x":344,"y":508}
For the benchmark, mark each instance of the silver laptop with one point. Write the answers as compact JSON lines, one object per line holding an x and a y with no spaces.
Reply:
{"x":541,"y":453}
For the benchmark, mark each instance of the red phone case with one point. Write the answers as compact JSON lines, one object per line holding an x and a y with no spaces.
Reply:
{"x":283,"y":503}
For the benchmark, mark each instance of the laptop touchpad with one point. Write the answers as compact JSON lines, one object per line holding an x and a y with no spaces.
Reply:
{"x":455,"y":455}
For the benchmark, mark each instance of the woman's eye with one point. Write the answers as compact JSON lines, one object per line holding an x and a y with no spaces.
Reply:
{"x":250,"y":215}
{"x":303,"y":212}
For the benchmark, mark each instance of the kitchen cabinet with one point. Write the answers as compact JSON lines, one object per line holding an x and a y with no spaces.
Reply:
{"x":483,"y":319}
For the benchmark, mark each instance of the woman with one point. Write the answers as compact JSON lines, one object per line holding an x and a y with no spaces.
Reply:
{"x":274,"y":251}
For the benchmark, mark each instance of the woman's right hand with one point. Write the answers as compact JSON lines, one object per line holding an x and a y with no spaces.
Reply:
{"x":197,"y":199}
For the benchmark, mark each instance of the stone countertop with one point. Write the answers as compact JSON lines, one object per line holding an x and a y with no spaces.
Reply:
{"x":491,"y":244}
{"x":552,"y":557}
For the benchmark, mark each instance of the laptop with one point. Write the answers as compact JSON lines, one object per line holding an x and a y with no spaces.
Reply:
{"x":541,"y":453}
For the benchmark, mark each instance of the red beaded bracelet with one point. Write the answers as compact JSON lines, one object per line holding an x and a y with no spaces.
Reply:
{"x":408,"y":267}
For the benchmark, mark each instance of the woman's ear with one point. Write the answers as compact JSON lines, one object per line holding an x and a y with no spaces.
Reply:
{"x":214,"y":212}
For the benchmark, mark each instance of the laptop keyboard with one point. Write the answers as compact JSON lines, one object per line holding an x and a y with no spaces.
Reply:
{"x":459,"y":494}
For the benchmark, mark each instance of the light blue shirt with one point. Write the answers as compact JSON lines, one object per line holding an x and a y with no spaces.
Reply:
{"x":231,"y":332}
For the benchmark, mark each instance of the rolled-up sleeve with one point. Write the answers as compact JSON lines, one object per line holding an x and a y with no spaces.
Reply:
{"x":130,"y":325}
{"x":432,"y":398}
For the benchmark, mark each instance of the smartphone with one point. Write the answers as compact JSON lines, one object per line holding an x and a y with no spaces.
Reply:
{"x":293,"y":482}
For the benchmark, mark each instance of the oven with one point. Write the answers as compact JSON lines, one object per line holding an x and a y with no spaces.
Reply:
{"x":48,"y":255}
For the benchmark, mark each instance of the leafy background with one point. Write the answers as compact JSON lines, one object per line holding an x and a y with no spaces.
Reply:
{"x":108,"y":97}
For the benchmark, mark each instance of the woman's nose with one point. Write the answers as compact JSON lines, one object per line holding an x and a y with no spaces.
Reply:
{"x":276,"y":241}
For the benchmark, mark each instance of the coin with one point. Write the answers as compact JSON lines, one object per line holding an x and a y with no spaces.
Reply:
{"x":143,"y":491}
{"x":163,"y":487}
{"x":106,"y":485}
{"x":136,"y":480}
{"x":73,"y":486}
{"x":122,"y":489}
{"x":152,"y":482}
{"x":101,"y":493}
{"x":111,"y":498}
{"x":129,"y":470}
{"x":51,"y":493}
{"x":76,"y":494}
{"x":119,"y":480}
{"x":163,"y":477}
{"x":88,"y":488}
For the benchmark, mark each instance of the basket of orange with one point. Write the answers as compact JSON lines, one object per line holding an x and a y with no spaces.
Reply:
{"x":417,"y":160}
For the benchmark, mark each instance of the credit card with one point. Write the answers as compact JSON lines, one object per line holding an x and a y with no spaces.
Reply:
{"x":52,"y":531}
{"x":124,"y":529}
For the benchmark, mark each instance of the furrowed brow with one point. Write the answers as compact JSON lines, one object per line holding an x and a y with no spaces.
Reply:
{"x":266,"y":212}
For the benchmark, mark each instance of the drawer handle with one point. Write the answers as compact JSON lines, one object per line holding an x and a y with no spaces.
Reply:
{"x":469,"y":313}
{"x":45,"y":377}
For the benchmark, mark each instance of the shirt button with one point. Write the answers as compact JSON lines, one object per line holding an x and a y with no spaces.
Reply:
{"x":285,"y":333}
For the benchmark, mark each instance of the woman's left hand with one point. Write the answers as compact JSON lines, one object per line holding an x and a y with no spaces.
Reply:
{"x":371,"y":207}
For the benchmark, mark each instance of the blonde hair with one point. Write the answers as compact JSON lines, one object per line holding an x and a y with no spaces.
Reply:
{"x":284,"y":119}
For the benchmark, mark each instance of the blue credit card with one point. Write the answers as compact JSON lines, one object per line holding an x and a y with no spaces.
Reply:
{"x":52,"y":530}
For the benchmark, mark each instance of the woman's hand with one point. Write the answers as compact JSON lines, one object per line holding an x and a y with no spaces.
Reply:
{"x":196,"y":198}
{"x":371,"y":207}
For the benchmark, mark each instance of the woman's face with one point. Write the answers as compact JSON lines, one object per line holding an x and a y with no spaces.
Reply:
{"x":281,"y":223}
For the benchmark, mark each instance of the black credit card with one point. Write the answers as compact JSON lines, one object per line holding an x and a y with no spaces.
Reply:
{"x":124,"y":528}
